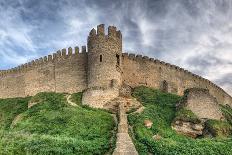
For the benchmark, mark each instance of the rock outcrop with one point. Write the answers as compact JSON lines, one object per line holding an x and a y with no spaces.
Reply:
{"x":188,"y":128}
{"x":201,"y":103}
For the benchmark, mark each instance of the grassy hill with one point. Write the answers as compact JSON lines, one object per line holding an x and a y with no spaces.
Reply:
{"x":52,"y":126}
{"x":160,"y":109}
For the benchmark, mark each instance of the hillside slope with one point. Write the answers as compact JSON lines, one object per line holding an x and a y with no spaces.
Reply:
{"x":160,"y":139}
{"x":55,"y":126}
{"x":52,"y":126}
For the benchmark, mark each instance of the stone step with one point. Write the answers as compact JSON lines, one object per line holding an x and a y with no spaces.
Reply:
{"x":124,"y":144}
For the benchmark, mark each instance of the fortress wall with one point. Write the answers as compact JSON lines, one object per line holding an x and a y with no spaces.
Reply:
{"x":138,"y":70}
{"x":60,"y":72}
{"x":39,"y":77}
{"x":12,"y":84}
{"x":71,"y":71}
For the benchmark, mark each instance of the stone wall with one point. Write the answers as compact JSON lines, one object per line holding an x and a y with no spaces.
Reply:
{"x":202,"y":104}
{"x":67,"y":72}
{"x":103,"y":50}
{"x":104,"y":66}
{"x":139,"y":70}
{"x":98,"y":97}
{"x":61,"y":72}
{"x":12,"y":85}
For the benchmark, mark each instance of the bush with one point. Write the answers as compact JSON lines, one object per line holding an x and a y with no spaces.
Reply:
{"x":227,"y":112}
{"x":187,"y":115}
{"x":218,"y":128}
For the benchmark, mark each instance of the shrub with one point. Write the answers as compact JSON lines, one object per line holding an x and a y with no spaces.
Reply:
{"x":187,"y":115}
{"x":218,"y":128}
{"x":227,"y":112}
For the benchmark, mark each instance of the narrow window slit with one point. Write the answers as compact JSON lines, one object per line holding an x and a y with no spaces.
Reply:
{"x":118,"y":59}
{"x":100,"y":58}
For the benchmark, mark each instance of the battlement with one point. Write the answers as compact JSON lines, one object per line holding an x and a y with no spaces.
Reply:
{"x":139,"y":57}
{"x":113,"y":33}
{"x":58,"y":56}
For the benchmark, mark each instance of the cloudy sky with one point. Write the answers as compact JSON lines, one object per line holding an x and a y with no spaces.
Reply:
{"x":194,"y":34}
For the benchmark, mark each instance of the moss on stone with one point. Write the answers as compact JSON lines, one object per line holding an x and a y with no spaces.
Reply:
{"x":187,"y":115}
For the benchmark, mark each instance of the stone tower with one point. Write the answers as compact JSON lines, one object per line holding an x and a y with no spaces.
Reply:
{"x":104,"y":66}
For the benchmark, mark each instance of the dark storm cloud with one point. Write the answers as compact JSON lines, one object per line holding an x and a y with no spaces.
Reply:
{"x":195,"y":34}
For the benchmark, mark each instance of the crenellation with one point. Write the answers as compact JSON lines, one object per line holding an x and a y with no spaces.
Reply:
{"x":83,"y":49}
{"x":36,"y":62}
{"x":168,"y":65}
{"x":146,"y":58}
{"x":119,"y":34}
{"x":29,"y":65}
{"x":70,"y":52}
{"x":132,"y":56}
{"x":92,"y":33}
{"x":172,"y":66}
{"x":58,"y":53}
{"x":139,"y":57}
{"x":125,"y":54}
{"x":182,"y":69}
{"x":45,"y":59}
{"x":76,"y":50}
{"x":156,"y":61}
{"x":151,"y":59}
{"x":40,"y":61}
{"x":101,"y":30}
{"x":112,"y":31}
{"x":162,"y":62}
{"x":50,"y":58}
{"x":63,"y":52}
{"x":195,"y":78}
{"x":54,"y":56}
{"x":33,"y":63}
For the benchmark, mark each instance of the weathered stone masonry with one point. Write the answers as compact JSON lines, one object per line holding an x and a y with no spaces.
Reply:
{"x":59,"y":72}
{"x":100,"y":72}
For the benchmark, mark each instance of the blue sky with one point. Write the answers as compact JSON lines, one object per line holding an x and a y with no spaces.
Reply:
{"x":194,"y":34}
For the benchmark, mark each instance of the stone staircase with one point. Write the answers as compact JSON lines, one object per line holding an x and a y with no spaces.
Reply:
{"x":124,"y":144}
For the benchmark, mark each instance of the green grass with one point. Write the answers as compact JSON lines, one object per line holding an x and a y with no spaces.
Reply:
{"x":184,"y":114}
{"x":9,"y":108}
{"x":160,"y":109}
{"x":54,"y":127}
{"x":227,"y":112}
{"x":76,"y":97}
{"x":219,"y":128}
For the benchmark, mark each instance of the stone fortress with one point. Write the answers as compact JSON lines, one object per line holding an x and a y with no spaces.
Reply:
{"x":102,"y":72}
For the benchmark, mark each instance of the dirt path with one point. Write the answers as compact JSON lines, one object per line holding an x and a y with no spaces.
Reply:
{"x":71,"y":102}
